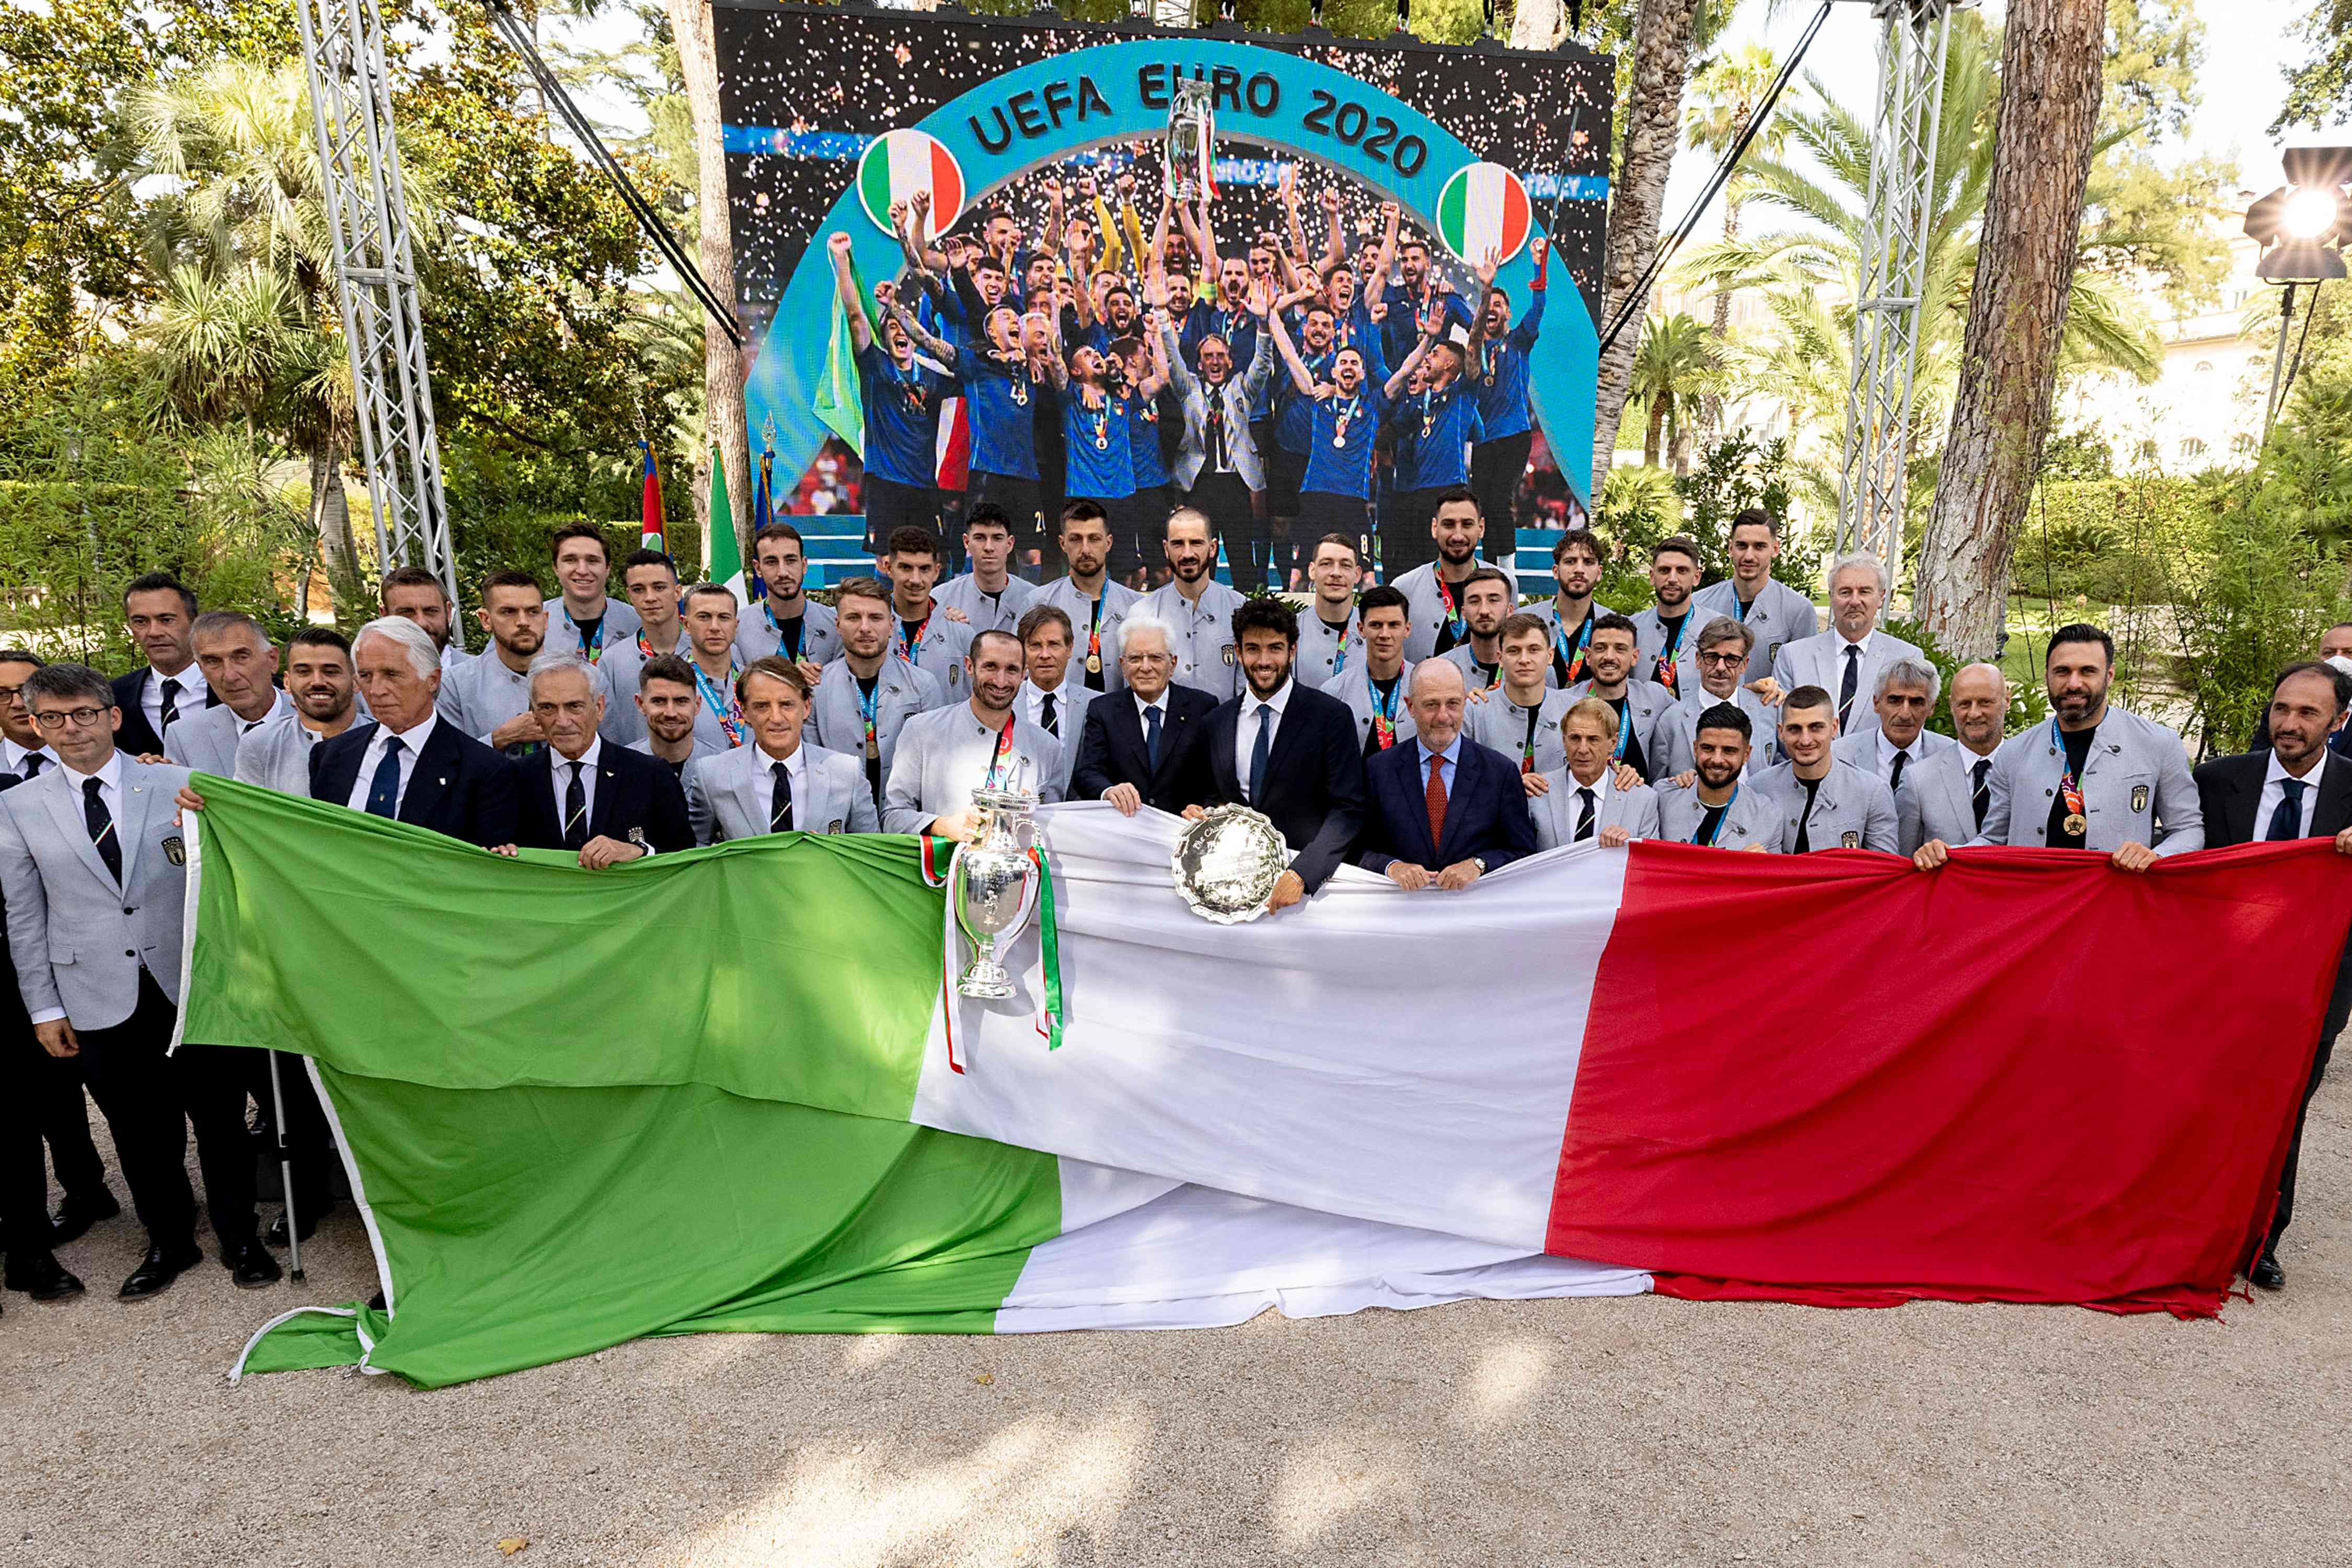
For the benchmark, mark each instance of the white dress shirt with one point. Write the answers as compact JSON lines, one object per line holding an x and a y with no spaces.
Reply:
{"x":192,"y":694}
{"x":12,"y":757}
{"x":411,"y":742}
{"x":1599,"y":787}
{"x":560,"y":775}
{"x":1245,"y":733}
{"x":795,"y":770}
{"x":2275,"y":779}
{"x":1032,"y":706}
{"x":1888,"y":750}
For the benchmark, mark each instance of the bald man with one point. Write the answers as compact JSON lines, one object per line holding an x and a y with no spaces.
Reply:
{"x":1948,"y":792}
{"x":1444,"y":810}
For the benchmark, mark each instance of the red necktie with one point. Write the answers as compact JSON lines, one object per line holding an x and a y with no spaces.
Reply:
{"x":1436,"y":803}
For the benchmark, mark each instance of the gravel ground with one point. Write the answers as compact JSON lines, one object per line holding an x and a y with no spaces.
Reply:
{"x":1574,"y":1431}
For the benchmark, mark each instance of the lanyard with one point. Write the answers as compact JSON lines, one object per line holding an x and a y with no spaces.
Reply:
{"x":591,"y":648}
{"x":1340,"y":657}
{"x":997,"y":769}
{"x":2067,"y":787}
{"x":800,"y":629}
{"x":869,"y":707}
{"x":1571,"y":654}
{"x":906,"y":647}
{"x":1720,"y":818}
{"x":1625,"y":725}
{"x":1452,"y":612}
{"x":1527,"y":745}
{"x":1383,"y":709}
{"x":722,"y":704}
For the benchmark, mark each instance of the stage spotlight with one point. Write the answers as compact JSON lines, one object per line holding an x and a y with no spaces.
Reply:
{"x":2302,"y":224}
{"x":2308,"y":215}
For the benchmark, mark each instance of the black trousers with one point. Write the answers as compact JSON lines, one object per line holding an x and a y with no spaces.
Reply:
{"x":890,"y":505}
{"x":1226,"y":499}
{"x":2339,"y":1009}
{"x":1020,"y":500}
{"x":1496,"y":468}
{"x":151,"y":1099}
{"x":1149,"y":510}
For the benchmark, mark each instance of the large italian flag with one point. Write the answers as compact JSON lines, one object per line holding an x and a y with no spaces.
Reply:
{"x":731,"y":1089}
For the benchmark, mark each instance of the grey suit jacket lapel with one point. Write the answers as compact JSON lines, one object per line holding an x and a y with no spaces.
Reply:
{"x":138,"y":804}
{"x":65,"y":802}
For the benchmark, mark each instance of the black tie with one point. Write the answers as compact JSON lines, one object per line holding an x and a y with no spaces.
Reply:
{"x":576,"y":808}
{"x":1980,"y":797}
{"x":1152,"y":739}
{"x":33,"y":761}
{"x":1584,"y":815}
{"x":170,"y":709}
{"x":2286,"y":822}
{"x":1045,"y":720}
{"x":1894,"y":775}
{"x":101,"y":827}
{"x":779,"y":810}
{"x":1846,"y":687}
{"x":383,"y":789}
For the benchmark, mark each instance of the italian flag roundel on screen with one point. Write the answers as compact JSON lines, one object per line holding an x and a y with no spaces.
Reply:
{"x":1484,"y":209}
{"x":896,"y":165}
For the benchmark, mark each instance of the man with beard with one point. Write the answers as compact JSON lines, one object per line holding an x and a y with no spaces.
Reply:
{"x":1328,"y":636}
{"x":1293,"y":416}
{"x":1486,"y":605}
{"x":1946,"y":796}
{"x":866,"y":696}
{"x":1372,"y":685}
{"x":1217,"y":463}
{"x":1521,"y":719}
{"x":1722,"y":806}
{"x":1087,"y":594}
{"x":2094,"y":778}
{"x":2298,"y":788}
{"x":237,"y":661}
{"x":1640,"y":706}
{"x":785,"y":621}
{"x":489,"y":697}
{"x":1335,"y":496}
{"x":1567,"y":615}
{"x":414,"y":594}
{"x":901,"y":399}
{"x":779,"y":782}
{"x":1904,"y":696}
{"x":989,"y":597}
{"x":650,"y":579}
{"x":1051,"y":697}
{"x":1667,"y":647}
{"x":1197,"y":609}
{"x":1416,"y":292}
{"x":668,"y":700}
{"x":1777,"y":613}
{"x":321,"y":688}
{"x":1144,"y":748}
{"x":1845,"y":659}
{"x":1435,"y":590}
{"x":1722,"y":657}
{"x":160,"y":611}
{"x":603,"y":803}
{"x":583,"y":619}
{"x":1822,"y":803}
{"x":946,"y":755}
{"x":1003,"y":373}
{"x":1289,"y":753}
{"x":709,"y":613}
{"x":1498,"y":374}
{"x":920,"y":633}
{"x":1585,"y":799}
{"x":1232,"y":319}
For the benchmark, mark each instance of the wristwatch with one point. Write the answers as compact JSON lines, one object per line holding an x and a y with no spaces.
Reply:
{"x":1479,"y":862}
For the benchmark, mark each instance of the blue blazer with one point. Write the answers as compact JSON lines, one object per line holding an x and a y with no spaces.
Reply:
{"x":1485,"y":814}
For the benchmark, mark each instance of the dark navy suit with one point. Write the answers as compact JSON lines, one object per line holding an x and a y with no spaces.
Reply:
{"x":1485,"y":810}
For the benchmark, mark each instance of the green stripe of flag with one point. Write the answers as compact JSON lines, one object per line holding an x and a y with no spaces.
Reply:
{"x":1452,"y":212}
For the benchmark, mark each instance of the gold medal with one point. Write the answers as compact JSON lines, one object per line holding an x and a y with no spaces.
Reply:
{"x":2076,"y":824}
{"x":1094,"y":664}
{"x":873,"y":750}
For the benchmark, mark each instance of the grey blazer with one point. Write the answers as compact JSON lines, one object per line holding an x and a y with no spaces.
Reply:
{"x":1500,"y":724}
{"x":1353,"y":686}
{"x":1678,"y":732}
{"x":79,"y":940}
{"x":2136,"y":786}
{"x":278,"y":755}
{"x":1934,"y":800}
{"x":1118,"y":599}
{"x":1650,"y":704}
{"x":621,"y":623}
{"x":1474,"y":677}
{"x":482,"y":694}
{"x":624,"y":725}
{"x":1861,"y":751}
{"x":1070,"y":701}
{"x":1820,"y":660}
{"x":901,"y":691}
{"x":1779,"y":616}
{"x":940,"y":650}
{"x":205,"y":742}
{"x":1548,"y":612}
{"x":1206,"y":658}
{"x":1753,"y":818}
{"x":1555,"y":811}
{"x":1001,"y":614}
{"x":1852,"y":810}
{"x":944,"y":755}
{"x":1239,"y":391}
{"x":728,"y":795}
{"x":755,"y":638}
{"x":1650,"y":640}
{"x":1318,"y":649}
{"x":1426,"y":609}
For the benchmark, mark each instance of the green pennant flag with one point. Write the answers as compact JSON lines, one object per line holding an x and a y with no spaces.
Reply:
{"x":722,"y":555}
{"x":839,"y":402}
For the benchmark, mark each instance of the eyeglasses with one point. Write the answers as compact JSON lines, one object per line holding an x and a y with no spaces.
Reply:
{"x":80,"y":718}
{"x":1725,"y":660}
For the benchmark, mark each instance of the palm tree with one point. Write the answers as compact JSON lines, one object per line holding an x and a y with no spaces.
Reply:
{"x":1726,"y":95}
{"x":1668,"y":370}
{"x":1809,"y":273}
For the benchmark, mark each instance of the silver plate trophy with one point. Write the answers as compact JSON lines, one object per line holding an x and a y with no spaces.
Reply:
{"x":1226,"y":864}
{"x":994,"y":882}
{"x":1192,"y":131}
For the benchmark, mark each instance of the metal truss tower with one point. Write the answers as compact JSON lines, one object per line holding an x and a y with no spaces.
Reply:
{"x":376,"y":275}
{"x":1886,"y":326}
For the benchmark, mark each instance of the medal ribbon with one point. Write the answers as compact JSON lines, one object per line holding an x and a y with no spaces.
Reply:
{"x":2071,"y":790}
{"x":1339,"y":659}
{"x":1452,"y":611}
{"x":1624,"y":726}
{"x":1663,"y":668}
{"x":723,"y":705}
{"x":1528,"y":746}
{"x":1722,"y":817}
{"x":776,"y":626}
{"x":1383,"y":710}
{"x":1094,"y":633}
{"x":905,"y":649}
{"x":1003,"y":754}
{"x":591,"y":648}
{"x":1570,"y":656}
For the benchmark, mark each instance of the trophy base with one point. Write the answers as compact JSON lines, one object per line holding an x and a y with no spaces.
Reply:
{"x":986,"y":983}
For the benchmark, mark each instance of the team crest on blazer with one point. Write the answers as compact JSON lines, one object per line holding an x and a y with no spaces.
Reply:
{"x":175,"y":850}
{"x":1850,"y":839}
{"x":833,"y":826}
{"x":1772,"y":651}
{"x":2139,"y":797}
{"x":955,"y":673}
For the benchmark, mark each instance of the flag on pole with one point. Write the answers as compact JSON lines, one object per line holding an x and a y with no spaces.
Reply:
{"x":722,"y":555}
{"x":652,"y":534}
{"x":1484,"y":210}
{"x":952,"y":447}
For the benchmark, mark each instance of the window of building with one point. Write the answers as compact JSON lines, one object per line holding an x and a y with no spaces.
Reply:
{"x":2190,"y":446}
{"x":2203,"y":365}
{"x":2243,"y":444}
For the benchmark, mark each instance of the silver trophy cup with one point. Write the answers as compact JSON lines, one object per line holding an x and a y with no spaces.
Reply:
{"x":1192,"y":132}
{"x":994,"y":883}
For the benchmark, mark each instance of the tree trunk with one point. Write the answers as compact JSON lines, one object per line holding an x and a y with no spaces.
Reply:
{"x":2051,"y":55}
{"x":331,"y":515}
{"x":1538,"y":25}
{"x":1653,"y":107}
{"x":1710,"y":405}
{"x":1652,"y":438}
{"x":722,"y":362}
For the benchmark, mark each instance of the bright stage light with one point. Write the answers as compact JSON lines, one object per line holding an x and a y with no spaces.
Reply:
{"x":2308,"y":214}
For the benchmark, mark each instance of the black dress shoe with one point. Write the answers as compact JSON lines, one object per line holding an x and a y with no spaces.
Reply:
{"x":158,"y":1269}
{"x":76,"y":1215}
{"x":2266,"y":1271}
{"x":276,"y":1235}
{"x":251,"y":1267}
{"x":42,"y":1277}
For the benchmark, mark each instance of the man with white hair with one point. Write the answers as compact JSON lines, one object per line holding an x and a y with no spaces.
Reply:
{"x":606,"y":804}
{"x":1444,"y":810}
{"x":1948,"y":796}
{"x":1844,"y":660}
{"x":238,"y":659}
{"x":406,"y":763}
{"x":1902,"y":697}
{"x":1144,"y":748}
